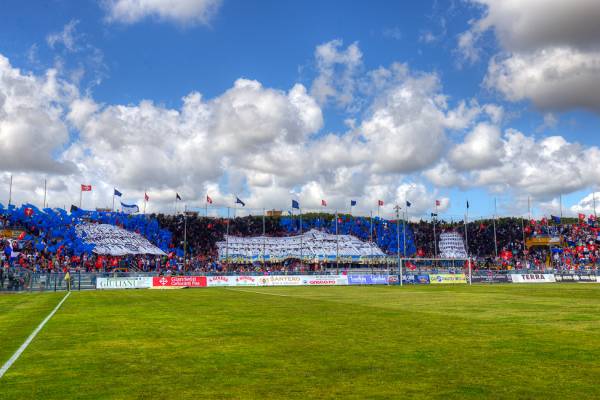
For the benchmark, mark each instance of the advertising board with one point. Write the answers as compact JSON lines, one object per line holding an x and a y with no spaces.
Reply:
{"x":578,"y":277}
{"x":178,"y":281}
{"x":436,"y":279}
{"x":247,"y":280}
{"x":323,"y":280}
{"x":532,"y":278}
{"x":490,"y":277}
{"x":281,"y":280}
{"x":221,"y":280}
{"x":138,"y":282}
{"x":367,"y":279}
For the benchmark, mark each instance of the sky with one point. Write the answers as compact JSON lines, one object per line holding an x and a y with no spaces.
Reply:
{"x":490,"y":101}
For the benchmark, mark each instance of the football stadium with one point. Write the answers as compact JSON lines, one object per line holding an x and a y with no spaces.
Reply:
{"x":225,"y":199}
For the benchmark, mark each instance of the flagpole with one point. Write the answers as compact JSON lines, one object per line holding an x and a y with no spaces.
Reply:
{"x":495,"y":240}
{"x":371,"y":232}
{"x":466,"y":230}
{"x":529,"y":206}
{"x":337,"y":244}
{"x":227,"y":240}
{"x":44,"y":205}
{"x":404,"y":230}
{"x":523,"y":230}
{"x":398,"y":241}
{"x":10,"y":191}
{"x":264,"y":239}
{"x":113,"y":204}
{"x":80,"y":196}
{"x":594,"y":201}
{"x":184,"y":235}
{"x":206,"y":209}
{"x":301,"y":241}
{"x":434,"y":235}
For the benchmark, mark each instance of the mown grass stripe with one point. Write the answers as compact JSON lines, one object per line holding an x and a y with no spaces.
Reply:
{"x":21,"y":349}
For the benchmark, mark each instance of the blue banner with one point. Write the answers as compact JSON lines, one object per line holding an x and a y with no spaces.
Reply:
{"x":364,"y":279}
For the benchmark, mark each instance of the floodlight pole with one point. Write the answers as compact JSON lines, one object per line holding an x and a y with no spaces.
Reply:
{"x":10,"y":191}
{"x":44,"y":204}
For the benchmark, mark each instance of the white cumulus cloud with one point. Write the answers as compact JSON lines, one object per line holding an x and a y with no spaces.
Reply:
{"x":179,"y":11}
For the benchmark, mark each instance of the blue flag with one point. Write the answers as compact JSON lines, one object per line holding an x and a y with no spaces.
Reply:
{"x":295,"y":204}
{"x":555,"y":219}
{"x":117,"y":193}
{"x":352,"y":203}
{"x":238,"y":201}
{"x":408,"y":203}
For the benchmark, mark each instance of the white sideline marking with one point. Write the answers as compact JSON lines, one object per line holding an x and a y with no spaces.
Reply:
{"x":21,"y":349}
{"x":265,"y":293}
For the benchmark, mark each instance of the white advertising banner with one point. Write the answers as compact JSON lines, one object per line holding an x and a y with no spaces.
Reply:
{"x":212,"y":281}
{"x":533,"y":278}
{"x":138,"y":282}
{"x":283,"y":280}
{"x":322,"y":280}
{"x":276,"y":280}
{"x":247,"y":280}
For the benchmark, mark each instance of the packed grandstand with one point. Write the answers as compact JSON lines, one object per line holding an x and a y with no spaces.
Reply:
{"x":55,"y":240}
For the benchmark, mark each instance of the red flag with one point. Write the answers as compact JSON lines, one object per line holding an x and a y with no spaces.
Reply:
{"x":208,"y":199}
{"x":29,"y":211}
{"x":437,"y":203}
{"x":592,"y":217}
{"x":380,"y":203}
{"x":146,"y":198}
{"x":323,"y":203}
{"x":86,"y":188}
{"x":411,"y":266}
{"x":581,"y":217}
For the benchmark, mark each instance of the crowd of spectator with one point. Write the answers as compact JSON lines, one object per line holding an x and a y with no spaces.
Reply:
{"x":492,"y":243}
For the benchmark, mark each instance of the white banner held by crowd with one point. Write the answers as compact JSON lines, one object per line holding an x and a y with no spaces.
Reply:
{"x":115,"y":241}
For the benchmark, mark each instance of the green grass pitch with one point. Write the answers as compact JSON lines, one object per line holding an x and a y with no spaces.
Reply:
{"x":450,"y":342}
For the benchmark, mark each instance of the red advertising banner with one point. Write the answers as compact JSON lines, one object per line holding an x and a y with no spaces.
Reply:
{"x":179,"y":281}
